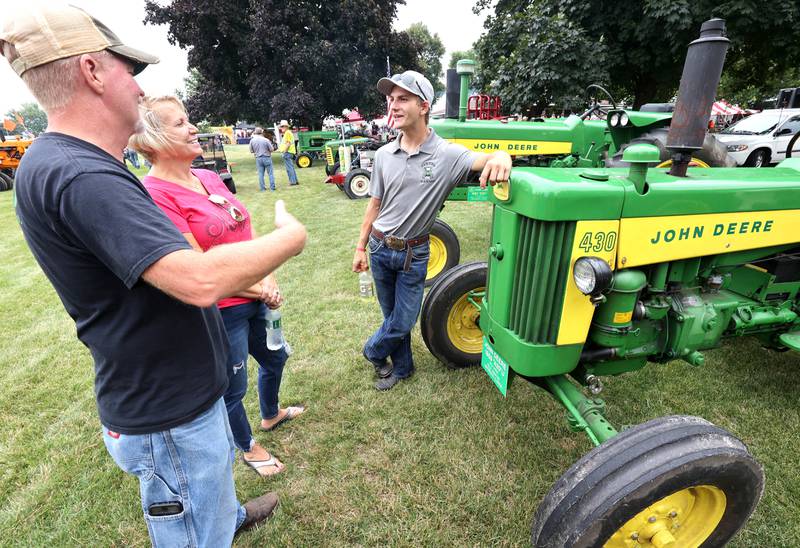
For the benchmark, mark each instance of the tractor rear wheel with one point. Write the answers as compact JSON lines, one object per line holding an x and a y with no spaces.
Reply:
{"x":356,"y":183}
{"x":450,"y":314}
{"x":6,"y":182}
{"x":673,"y":481}
{"x":303,"y":160}
{"x":445,"y":251}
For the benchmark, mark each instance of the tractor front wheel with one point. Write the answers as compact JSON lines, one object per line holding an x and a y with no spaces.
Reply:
{"x":674,"y":481}
{"x":303,"y":160}
{"x":445,"y":251}
{"x":356,"y":183}
{"x":450,"y":314}
{"x":6,"y":182}
{"x":331,"y":170}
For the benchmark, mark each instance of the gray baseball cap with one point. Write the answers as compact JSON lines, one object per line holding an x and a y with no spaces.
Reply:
{"x":411,"y":81}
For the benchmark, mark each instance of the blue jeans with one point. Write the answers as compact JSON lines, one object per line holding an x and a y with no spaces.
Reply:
{"x":192,"y":465}
{"x":246,"y":325}
{"x":399,"y":293}
{"x":262,"y":163}
{"x":288,"y":159}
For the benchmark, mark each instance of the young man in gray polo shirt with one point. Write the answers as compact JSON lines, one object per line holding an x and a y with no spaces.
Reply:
{"x":411,"y":178}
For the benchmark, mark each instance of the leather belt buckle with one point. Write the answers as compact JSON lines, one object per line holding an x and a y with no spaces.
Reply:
{"x":393,"y":242}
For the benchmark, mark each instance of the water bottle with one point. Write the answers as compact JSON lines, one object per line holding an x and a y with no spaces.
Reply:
{"x":365,"y":284}
{"x":274,"y":331}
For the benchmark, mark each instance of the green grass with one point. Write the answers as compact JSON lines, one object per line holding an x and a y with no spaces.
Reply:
{"x":441,"y":460}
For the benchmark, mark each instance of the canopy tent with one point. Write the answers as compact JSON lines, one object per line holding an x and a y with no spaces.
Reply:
{"x":723,"y":108}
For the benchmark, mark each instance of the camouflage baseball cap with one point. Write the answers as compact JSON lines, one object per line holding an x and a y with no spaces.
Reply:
{"x":47,"y":33}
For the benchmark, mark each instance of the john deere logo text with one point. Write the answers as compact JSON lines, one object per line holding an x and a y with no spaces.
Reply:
{"x":517,"y":148}
{"x":719,"y":229}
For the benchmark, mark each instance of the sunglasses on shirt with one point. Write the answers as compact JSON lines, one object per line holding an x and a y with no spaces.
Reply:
{"x":220,"y":201}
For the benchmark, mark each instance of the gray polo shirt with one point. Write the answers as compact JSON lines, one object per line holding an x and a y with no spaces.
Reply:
{"x":412,"y":188}
{"x":261,"y":146}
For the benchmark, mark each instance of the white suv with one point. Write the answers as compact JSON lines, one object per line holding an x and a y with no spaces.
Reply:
{"x":761,"y":139}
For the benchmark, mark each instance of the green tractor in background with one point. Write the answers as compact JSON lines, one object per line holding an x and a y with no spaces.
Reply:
{"x":598,"y":271}
{"x":311,"y":146}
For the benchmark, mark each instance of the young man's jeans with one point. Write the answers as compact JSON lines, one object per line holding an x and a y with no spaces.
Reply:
{"x":288,"y":159}
{"x":191,"y":464}
{"x":400,"y":296}
{"x":246,"y":325}
{"x":265,"y":163}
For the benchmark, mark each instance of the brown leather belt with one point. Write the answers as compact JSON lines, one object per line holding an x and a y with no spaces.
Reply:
{"x":399,"y":244}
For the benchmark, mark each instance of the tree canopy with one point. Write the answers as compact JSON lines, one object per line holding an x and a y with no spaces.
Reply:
{"x":544,"y":51}
{"x":34,"y":118}
{"x":430,"y":49}
{"x":272,"y":59}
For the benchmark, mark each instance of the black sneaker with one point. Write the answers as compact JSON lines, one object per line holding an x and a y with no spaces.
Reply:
{"x":387,"y":383}
{"x":382,"y":367}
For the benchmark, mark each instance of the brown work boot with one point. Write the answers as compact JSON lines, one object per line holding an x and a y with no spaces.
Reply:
{"x":258,"y":510}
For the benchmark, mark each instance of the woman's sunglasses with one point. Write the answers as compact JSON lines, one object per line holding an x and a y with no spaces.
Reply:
{"x":220,"y":201}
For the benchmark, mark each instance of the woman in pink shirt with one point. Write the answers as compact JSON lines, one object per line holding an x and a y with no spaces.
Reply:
{"x":207,"y":214}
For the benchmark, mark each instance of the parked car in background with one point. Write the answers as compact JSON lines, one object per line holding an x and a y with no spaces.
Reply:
{"x":213,"y":158}
{"x":761,"y":139}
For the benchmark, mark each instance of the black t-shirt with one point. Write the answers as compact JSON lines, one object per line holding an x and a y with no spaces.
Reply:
{"x":94,"y":229}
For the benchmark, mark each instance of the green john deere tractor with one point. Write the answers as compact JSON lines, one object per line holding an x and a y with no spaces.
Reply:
{"x":598,"y":271}
{"x":311,"y":146}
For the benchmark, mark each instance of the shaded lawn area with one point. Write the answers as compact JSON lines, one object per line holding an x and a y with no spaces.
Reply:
{"x":441,"y":460}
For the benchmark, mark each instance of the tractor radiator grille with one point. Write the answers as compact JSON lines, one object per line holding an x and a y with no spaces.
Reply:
{"x":329,"y":155}
{"x":541,"y":271}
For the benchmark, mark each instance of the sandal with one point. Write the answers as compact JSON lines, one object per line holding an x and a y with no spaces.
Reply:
{"x":291,"y":412}
{"x":259,"y":465}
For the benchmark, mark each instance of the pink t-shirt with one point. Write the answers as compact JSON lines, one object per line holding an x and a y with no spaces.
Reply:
{"x":193,"y":213}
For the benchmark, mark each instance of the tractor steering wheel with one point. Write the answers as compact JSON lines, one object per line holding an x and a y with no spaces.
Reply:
{"x":792,"y":141}
{"x":595,"y":106}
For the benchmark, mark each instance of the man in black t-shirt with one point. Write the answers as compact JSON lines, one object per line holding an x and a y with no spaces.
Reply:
{"x":142,"y":299}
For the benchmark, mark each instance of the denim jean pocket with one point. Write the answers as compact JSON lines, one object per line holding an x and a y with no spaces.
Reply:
{"x":421,"y":252}
{"x":132,"y":453}
{"x":374,"y":244}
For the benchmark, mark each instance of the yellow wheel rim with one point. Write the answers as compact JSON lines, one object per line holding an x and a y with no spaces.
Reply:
{"x":695,"y":162}
{"x":304,"y":161}
{"x":682,"y":520}
{"x":438,"y":257}
{"x":462,"y":324}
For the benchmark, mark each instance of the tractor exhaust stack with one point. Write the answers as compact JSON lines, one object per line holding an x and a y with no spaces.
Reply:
{"x":701,"y":73}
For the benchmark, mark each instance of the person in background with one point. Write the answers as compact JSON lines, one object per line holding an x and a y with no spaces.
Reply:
{"x":262,"y":149}
{"x":411,"y":178}
{"x":131,"y":155}
{"x":142,"y":299}
{"x":288,"y":149}
{"x":208,"y":215}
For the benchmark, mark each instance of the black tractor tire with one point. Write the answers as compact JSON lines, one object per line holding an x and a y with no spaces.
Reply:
{"x":601,"y":500}
{"x":304,"y":160}
{"x":445,"y":251}
{"x":356,"y":183}
{"x":790,"y":145}
{"x":758,"y":158}
{"x":331,"y":170}
{"x":449,"y":322}
{"x":231,"y":185}
{"x":6,"y":182}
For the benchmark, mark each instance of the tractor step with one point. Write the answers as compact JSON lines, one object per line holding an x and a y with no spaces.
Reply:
{"x":791,"y":339}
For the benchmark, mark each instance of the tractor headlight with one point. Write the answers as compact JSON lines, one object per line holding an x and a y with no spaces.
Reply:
{"x":736,"y":148}
{"x":592,"y":275}
{"x":623,"y":119}
{"x":613,"y":120}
